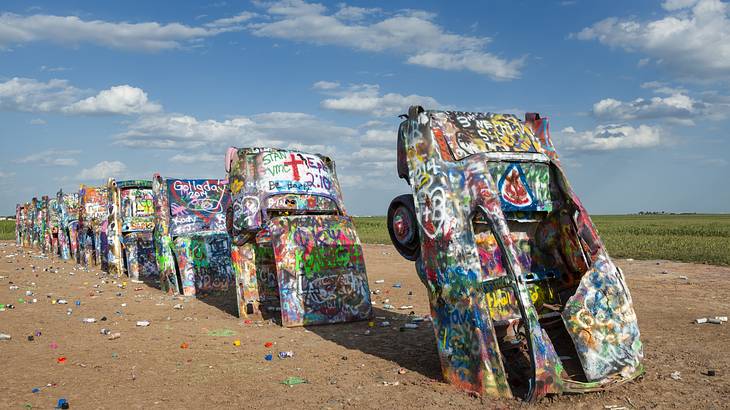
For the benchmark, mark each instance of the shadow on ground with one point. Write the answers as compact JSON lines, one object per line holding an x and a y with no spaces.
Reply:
{"x":412,"y":349}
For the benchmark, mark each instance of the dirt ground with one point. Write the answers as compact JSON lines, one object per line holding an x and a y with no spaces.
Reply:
{"x":184,"y":359}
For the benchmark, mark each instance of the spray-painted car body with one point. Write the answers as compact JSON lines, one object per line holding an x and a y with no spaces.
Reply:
{"x":20,"y":215}
{"x":524,"y":298}
{"x":295,"y":248}
{"x":40,"y":236}
{"x":54,"y":223}
{"x":131,"y":222}
{"x":93,"y":222}
{"x":190,"y":235}
{"x":68,"y":237}
{"x":26,"y":225}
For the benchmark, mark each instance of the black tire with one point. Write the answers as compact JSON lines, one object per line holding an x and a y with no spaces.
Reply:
{"x":403,"y":227}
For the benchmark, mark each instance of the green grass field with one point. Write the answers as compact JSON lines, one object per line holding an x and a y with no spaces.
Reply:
{"x":7,"y":230}
{"x":687,"y":238}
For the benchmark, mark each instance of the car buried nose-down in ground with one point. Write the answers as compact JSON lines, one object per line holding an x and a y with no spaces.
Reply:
{"x":295,"y":249}
{"x":524,"y":297}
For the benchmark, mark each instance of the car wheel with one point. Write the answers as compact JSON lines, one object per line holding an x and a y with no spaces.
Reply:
{"x":403,"y":227}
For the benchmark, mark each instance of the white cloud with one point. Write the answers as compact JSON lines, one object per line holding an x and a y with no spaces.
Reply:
{"x":51,"y":157}
{"x":672,"y":5}
{"x":411,"y":33}
{"x":694,"y":42}
{"x":72,"y":31}
{"x":478,"y":62}
{"x":234,"y":21}
{"x":662,"y":88}
{"x":367,"y":99}
{"x":27,"y":94}
{"x":609,"y":137}
{"x":677,"y":106}
{"x":30,"y":95}
{"x":120,"y":99}
{"x":102,"y":171}
{"x":325,"y":85}
{"x":176,"y":131}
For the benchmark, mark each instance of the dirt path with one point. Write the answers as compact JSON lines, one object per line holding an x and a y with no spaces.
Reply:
{"x":147,"y":368}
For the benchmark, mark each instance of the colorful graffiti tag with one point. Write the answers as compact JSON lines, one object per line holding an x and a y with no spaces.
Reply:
{"x":197,"y":205}
{"x":513,"y":265}
{"x":295,"y":250}
{"x":190,"y":236}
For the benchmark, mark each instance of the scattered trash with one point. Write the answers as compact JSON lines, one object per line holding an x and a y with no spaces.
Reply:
{"x":411,"y":326}
{"x":184,"y":345}
{"x":236,"y":343}
{"x":62,"y":404}
{"x":390,"y":383}
{"x":676,"y":375}
{"x":53,"y":345}
{"x":268,"y":344}
{"x":387,"y":306}
{"x":402,"y":371}
{"x":35,"y":390}
{"x":89,"y":320}
{"x":294,"y":380}
{"x":384,"y":324}
{"x":78,"y":303}
{"x":284,"y":355}
{"x":178,"y":306}
{"x":717,"y":320}
{"x":61,"y":360}
{"x":143,"y":323}
{"x":115,"y":336}
{"x":406,"y":307}
{"x":683,"y":277}
{"x":221,"y":332}
{"x":105,"y":331}
{"x":711,"y":373}
{"x":397,"y":285}
{"x":31,"y":338}
{"x":4,"y":336}
{"x":268,"y":357}
{"x":380,"y":281}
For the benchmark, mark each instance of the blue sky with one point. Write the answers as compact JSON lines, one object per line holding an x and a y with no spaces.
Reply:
{"x":637,"y":92}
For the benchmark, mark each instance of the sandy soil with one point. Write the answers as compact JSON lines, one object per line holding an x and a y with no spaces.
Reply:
{"x":147,"y":367}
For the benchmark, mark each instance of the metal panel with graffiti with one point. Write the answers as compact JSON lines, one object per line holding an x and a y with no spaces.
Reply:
{"x":525,"y":300}
{"x":131,"y":222}
{"x":295,"y":249}
{"x":192,"y":247}
{"x":68,"y":226}
{"x":93,"y":224}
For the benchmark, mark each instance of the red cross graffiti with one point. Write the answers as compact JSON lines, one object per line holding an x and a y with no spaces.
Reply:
{"x":294,"y":164}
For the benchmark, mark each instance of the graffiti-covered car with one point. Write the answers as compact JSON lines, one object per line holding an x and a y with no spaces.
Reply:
{"x":93,"y":222}
{"x":54,"y":223}
{"x":131,"y":221}
{"x":524,"y":298}
{"x":192,"y":247}
{"x":69,"y":225}
{"x":40,"y":238}
{"x":295,"y":248}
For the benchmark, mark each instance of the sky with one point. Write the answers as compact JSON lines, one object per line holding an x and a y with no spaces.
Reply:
{"x":638,"y":93}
